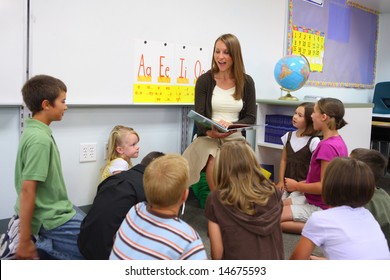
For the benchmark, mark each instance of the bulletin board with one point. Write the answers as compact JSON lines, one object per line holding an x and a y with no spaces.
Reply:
{"x":339,"y":38}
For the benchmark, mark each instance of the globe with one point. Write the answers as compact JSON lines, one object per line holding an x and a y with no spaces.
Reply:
{"x":291,"y":73}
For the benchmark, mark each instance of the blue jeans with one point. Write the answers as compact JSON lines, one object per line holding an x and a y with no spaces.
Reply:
{"x":61,"y":243}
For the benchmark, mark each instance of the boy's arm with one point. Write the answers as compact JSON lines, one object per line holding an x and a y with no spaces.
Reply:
{"x":26,"y":248}
{"x":215,"y":240}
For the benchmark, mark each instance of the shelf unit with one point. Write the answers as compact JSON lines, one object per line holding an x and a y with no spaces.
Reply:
{"x":356,"y":133}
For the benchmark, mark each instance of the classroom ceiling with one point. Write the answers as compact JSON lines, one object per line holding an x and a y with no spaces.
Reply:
{"x":383,"y":6}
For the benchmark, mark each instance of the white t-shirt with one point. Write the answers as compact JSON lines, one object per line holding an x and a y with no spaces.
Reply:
{"x":346,"y":233}
{"x":118,"y":164}
{"x":225,"y":107}
{"x":298,"y":143}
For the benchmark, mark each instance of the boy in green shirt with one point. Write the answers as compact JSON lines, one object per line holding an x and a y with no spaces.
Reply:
{"x":42,"y":203}
{"x":379,"y":205}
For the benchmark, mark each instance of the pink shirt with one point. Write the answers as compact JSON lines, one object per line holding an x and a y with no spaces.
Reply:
{"x":326,"y":150}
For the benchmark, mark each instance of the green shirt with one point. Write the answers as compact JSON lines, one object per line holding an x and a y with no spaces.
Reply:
{"x":379,"y":206}
{"x":38,"y":159}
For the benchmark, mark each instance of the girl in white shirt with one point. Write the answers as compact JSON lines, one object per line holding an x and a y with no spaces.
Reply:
{"x":298,"y":147}
{"x":346,"y":231}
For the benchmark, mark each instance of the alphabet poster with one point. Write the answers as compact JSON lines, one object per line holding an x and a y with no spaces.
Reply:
{"x":166,"y":72}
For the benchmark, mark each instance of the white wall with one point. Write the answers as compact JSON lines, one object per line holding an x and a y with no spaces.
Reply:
{"x":9,"y":138}
{"x":159,"y":129}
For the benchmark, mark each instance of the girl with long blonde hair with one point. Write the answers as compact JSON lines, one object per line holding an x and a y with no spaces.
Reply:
{"x":244,"y":210}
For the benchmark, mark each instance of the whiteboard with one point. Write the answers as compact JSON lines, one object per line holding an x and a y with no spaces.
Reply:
{"x":12,"y":50}
{"x":89,"y":44}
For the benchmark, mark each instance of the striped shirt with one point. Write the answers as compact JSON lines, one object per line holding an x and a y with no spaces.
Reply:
{"x":145,"y":236}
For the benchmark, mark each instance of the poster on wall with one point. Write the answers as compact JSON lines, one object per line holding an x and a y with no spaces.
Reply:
{"x":347,"y":33}
{"x":166,"y":73}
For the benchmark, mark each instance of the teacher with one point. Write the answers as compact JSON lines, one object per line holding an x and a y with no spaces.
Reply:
{"x":225,"y":94}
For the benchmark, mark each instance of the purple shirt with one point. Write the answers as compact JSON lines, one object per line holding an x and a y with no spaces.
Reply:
{"x":326,"y":150}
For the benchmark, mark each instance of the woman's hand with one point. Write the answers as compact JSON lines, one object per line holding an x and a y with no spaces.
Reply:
{"x":214,"y":133}
{"x":224,"y":123}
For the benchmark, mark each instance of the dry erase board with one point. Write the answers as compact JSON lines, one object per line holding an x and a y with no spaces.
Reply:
{"x":90,"y":44}
{"x":12,"y":50}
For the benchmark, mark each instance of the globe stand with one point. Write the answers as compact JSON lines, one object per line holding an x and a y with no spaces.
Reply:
{"x":289,"y":97}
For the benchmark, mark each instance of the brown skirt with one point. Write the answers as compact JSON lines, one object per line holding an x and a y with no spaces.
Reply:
{"x":198,"y":152}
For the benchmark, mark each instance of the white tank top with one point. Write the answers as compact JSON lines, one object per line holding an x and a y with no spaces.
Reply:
{"x":225,"y":107}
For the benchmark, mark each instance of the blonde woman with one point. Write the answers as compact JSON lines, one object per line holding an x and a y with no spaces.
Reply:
{"x":122,"y":147}
{"x":244,"y":210}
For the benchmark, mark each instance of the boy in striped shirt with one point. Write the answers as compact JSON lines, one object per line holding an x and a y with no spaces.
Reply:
{"x":152,"y":230}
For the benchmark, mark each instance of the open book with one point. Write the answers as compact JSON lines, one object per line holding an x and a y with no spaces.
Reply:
{"x":210,"y":123}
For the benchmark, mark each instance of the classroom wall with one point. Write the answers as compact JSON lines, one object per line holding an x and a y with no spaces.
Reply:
{"x":160,"y":126}
{"x":9,"y":131}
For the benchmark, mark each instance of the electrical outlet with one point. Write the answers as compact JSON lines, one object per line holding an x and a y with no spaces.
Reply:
{"x":105,"y":151}
{"x":87,"y":152}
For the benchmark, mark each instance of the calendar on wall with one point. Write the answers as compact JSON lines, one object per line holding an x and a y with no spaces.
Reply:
{"x":311,"y":44}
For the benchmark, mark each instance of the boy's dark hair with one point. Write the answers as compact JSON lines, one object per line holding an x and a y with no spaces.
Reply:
{"x":348,"y":181}
{"x":374,"y":159}
{"x":40,"y":88}
{"x":150,"y":157}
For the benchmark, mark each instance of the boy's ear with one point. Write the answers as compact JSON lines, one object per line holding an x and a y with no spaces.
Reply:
{"x":45,"y":104}
{"x":185,"y":195}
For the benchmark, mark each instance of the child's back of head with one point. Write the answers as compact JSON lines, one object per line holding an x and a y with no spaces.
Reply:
{"x":374,"y":159}
{"x":239,"y":179}
{"x":166,"y":180}
{"x":348,"y":181}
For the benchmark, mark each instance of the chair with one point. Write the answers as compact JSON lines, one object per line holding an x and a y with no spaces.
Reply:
{"x":380,"y":129}
{"x":381,"y":98}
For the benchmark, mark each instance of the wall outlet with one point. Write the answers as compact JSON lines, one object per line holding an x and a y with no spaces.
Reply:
{"x":87,"y":152}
